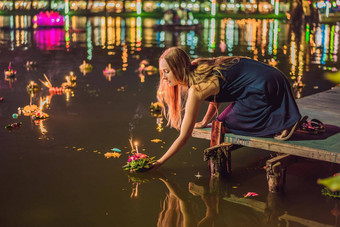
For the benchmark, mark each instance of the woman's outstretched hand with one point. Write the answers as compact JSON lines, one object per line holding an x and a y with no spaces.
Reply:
{"x":155,"y":165}
{"x":201,"y":124}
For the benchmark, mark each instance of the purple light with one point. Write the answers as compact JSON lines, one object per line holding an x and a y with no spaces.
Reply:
{"x":46,"y":19}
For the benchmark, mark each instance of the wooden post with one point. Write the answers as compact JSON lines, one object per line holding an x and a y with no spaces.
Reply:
{"x":218,"y":158}
{"x":216,"y":133}
{"x":276,"y":171}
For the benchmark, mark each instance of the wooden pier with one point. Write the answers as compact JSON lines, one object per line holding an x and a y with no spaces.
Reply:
{"x":325,"y":146}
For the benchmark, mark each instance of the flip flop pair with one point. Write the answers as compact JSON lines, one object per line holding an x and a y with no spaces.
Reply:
{"x":296,"y":126}
{"x":313,"y":126}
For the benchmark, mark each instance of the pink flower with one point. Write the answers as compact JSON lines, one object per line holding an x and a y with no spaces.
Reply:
{"x":143,"y":156}
{"x":250,"y":194}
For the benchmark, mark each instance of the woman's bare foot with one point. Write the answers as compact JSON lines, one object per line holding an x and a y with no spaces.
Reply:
{"x":283,"y":133}
{"x":288,"y":132}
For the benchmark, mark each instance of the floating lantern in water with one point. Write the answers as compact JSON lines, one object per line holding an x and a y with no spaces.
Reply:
{"x":155,"y":106}
{"x":85,"y":67}
{"x":72,"y":78}
{"x":48,"y":19}
{"x":138,"y":161}
{"x":33,"y":87}
{"x":28,"y":110}
{"x":198,"y":175}
{"x":70,"y":81}
{"x":272,"y":62}
{"x":31,"y":65}
{"x":52,"y":90}
{"x":298,"y":85}
{"x":39,"y":115}
{"x":10,"y":73}
{"x":47,"y":83}
{"x":147,"y":69}
{"x":13,"y":126}
{"x":143,"y":64}
{"x":109,"y":71}
{"x":56,"y":90}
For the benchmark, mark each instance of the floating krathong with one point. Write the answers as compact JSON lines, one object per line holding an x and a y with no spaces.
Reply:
{"x":147,"y":69}
{"x":155,"y":106}
{"x":27,"y":110}
{"x":51,"y":89}
{"x":56,"y":90}
{"x":85,"y":67}
{"x":33,"y":87}
{"x":109,"y":71}
{"x":39,"y":115}
{"x":72,"y":78}
{"x":10,"y":73}
{"x":70,"y":81}
{"x":298,"y":84}
{"x":48,"y":19}
{"x":13,"y":126}
{"x":31,"y":65}
{"x":138,"y":162}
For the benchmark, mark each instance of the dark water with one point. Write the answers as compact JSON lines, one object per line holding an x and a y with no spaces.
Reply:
{"x":55,"y":173}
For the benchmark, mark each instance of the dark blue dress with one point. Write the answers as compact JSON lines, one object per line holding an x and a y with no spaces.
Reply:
{"x":261,"y":96}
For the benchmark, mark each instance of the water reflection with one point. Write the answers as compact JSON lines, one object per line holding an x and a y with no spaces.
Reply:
{"x":258,"y":37}
{"x":99,"y":113}
{"x":216,"y":202}
{"x":305,"y":45}
{"x":50,"y":39}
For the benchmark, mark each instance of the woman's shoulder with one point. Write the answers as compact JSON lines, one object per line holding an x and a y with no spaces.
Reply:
{"x":207,"y":88}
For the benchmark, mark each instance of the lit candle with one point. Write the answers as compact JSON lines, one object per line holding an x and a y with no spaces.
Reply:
{"x":136,"y":144}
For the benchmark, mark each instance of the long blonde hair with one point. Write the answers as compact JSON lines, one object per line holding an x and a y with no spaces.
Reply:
{"x":187,"y":74}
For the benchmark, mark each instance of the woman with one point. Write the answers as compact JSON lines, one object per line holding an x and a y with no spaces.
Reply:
{"x":262,"y":101}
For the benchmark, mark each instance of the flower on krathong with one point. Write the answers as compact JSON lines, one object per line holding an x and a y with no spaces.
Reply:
{"x":139,"y":162}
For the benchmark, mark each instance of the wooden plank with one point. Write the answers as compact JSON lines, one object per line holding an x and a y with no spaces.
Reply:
{"x":273,"y":145}
{"x":324,"y":147}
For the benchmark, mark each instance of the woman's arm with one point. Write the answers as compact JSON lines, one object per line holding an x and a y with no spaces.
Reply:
{"x":192,"y":106}
{"x":211,"y":111}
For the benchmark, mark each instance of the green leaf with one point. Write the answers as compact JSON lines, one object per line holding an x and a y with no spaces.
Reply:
{"x":332,"y":183}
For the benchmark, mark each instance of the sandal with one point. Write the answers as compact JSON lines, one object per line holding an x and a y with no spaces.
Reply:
{"x":318,"y":125}
{"x":296,"y":126}
{"x":313,"y":126}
